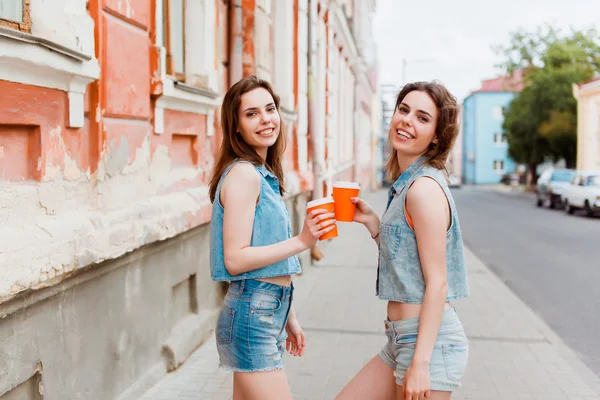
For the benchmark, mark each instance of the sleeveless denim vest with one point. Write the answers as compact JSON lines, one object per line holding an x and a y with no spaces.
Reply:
{"x":399,"y":274}
{"x":271,"y":225}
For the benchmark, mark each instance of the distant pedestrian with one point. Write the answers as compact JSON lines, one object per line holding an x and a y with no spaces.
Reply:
{"x":251,"y":245}
{"x":421,"y":258}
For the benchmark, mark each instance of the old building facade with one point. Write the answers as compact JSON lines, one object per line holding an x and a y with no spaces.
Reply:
{"x":588,"y":124}
{"x":109,"y":127}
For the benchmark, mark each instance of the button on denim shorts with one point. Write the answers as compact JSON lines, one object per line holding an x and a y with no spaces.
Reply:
{"x":450,"y":353}
{"x":251,"y":326}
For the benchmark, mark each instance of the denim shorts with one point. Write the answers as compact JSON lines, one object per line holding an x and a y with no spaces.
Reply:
{"x":251,"y":326}
{"x":450,"y":353}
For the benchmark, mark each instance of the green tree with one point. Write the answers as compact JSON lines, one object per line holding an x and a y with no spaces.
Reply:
{"x":525,"y":146}
{"x":541,"y":121}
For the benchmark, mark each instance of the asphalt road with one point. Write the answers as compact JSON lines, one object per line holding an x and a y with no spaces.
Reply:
{"x":551,"y":260}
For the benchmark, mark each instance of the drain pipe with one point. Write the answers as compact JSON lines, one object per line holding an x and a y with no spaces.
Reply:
{"x":314,"y":127}
{"x":236,"y":44}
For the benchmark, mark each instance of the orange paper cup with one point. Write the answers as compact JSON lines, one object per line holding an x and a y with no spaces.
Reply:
{"x":344,"y":208}
{"x":325,"y":203}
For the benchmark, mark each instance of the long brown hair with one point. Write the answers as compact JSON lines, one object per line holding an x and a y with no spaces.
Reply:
{"x":446,"y":129}
{"x":234,"y":147}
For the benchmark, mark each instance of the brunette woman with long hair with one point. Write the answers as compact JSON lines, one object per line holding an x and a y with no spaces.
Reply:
{"x":251,"y":244}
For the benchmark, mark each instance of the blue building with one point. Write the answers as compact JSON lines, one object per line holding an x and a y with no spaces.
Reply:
{"x":485,"y":148}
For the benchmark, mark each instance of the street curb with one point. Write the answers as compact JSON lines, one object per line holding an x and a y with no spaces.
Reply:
{"x":567,"y":354}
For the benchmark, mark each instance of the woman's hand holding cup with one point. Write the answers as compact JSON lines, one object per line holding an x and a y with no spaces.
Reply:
{"x":317,"y":223}
{"x":365,"y":215}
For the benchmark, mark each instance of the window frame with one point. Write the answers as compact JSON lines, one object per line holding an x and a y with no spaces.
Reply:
{"x":170,"y":62}
{"x":498,"y":113}
{"x":24,"y":26}
{"x":500,"y":164}
{"x":503,"y":139}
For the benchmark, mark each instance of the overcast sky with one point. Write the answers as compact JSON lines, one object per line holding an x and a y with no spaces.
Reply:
{"x":456,"y":36}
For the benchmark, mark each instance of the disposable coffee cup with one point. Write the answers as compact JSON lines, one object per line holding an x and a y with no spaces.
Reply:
{"x":325,"y":203}
{"x":342,"y":193}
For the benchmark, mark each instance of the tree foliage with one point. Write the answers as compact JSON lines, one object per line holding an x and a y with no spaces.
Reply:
{"x":541,"y":121}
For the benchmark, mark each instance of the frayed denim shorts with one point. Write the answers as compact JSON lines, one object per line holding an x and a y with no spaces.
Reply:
{"x":251,"y":326}
{"x":450,"y":353}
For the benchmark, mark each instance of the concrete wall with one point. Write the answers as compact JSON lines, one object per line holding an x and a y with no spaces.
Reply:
{"x":113,"y":328}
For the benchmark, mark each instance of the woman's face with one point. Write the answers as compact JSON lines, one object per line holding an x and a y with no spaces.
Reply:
{"x":259,"y":122}
{"x":413,"y":125}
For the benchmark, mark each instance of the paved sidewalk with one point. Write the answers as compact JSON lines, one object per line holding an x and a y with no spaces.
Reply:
{"x":513,"y":354}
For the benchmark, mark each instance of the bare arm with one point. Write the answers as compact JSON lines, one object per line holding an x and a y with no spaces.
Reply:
{"x":427,"y":205}
{"x":239,"y":195}
{"x":365,"y":215}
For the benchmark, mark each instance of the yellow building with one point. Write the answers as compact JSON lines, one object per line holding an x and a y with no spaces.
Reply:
{"x":588,"y":124}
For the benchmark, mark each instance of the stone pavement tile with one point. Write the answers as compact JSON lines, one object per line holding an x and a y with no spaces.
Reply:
{"x":581,"y":398}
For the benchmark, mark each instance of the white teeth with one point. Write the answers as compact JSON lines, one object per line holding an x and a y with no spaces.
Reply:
{"x":266,"y":132}
{"x":403,"y":134}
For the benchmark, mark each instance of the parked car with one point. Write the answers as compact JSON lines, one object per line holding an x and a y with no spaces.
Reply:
{"x":583,"y":193}
{"x":454,"y":182}
{"x":511,"y":179}
{"x":551,"y":185}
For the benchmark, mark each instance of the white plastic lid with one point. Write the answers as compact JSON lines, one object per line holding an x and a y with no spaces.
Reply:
{"x":346,"y":185}
{"x":319,"y":202}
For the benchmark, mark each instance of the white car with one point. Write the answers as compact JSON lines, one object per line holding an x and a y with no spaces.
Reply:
{"x":583,"y":193}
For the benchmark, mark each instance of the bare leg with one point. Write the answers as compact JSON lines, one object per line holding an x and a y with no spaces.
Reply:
{"x":375,"y":381}
{"x":238,"y":394}
{"x":271,"y":385}
{"x":435,"y":395}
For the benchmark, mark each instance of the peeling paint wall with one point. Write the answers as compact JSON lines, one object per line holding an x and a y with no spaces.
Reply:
{"x":78,"y":201}
{"x":119,"y":166}
{"x":65,"y":22}
{"x":74,"y":197}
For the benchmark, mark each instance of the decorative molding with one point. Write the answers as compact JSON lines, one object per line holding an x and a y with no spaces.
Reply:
{"x":588,"y":88}
{"x":181,"y":97}
{"x":196,"y":90}
{"x":159,"y":120}
{"x":29,"y":38}
{"x":30,"y":60}
{"x":210,"y":123}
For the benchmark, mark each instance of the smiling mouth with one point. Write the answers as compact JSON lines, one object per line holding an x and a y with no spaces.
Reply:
{"x":266,"y":132}
{"x":404,"y":134}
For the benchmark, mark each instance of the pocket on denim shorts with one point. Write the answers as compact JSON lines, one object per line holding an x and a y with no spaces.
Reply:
{"x":262,"y":303}
{"x":455,"y":360}
{"x":225,"y":325}
{"x":406,"y":339}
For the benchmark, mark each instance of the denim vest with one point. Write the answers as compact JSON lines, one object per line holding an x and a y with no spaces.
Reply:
{"x":399,"y":275}
{"x":271,"y":225}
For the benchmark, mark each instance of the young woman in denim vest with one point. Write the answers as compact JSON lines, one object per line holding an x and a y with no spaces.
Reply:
{"x":251,"y":245}
{"x":421,"y":258}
